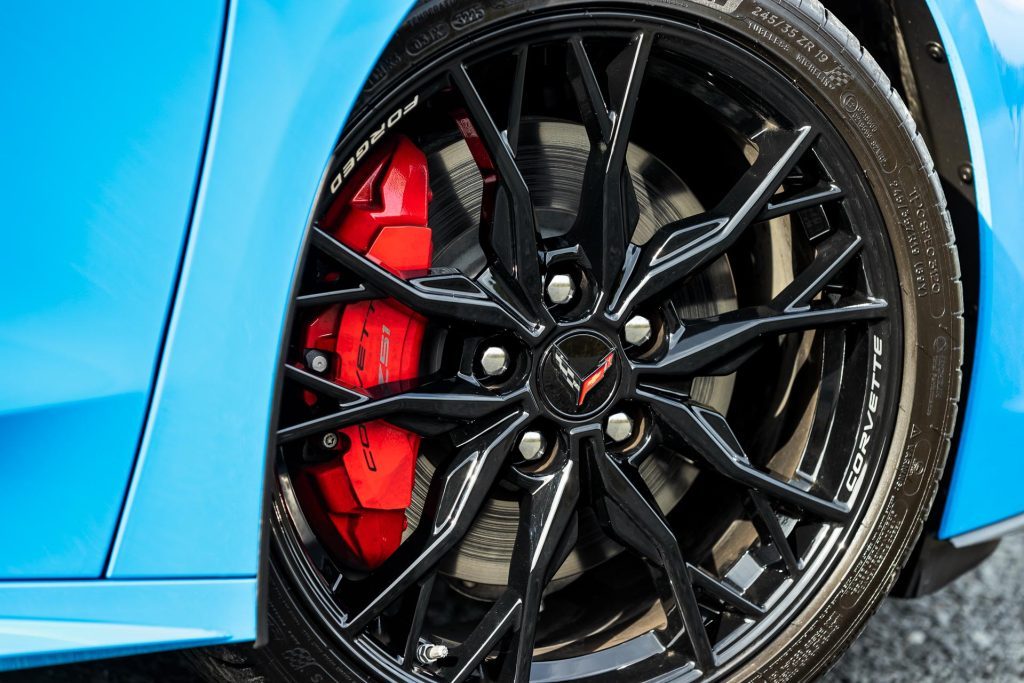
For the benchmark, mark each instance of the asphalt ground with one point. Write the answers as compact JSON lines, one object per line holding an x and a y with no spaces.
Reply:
{"x":970,"y":631}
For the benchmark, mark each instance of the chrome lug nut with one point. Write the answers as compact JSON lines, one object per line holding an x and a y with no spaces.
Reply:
{"x":638,"y":330}
{"x":561,"y":289}
{"x":329,"y":440}
{"x":428,"y":653}
{"x":316,"y":360}
{"x":494,"y":361}
{"x":532,"y":445}
{"x":619,"y":427}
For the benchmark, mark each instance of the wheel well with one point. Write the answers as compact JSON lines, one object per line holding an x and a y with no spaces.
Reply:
{"x":902,"y":37}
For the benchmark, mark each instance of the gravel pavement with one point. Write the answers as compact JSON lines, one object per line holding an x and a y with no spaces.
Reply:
{"x":970,"y":631}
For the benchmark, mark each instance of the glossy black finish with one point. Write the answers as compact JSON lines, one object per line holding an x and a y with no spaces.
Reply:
{"x":579,"y":374}
{"x":561,"y":349}
{"x":935,"y":564}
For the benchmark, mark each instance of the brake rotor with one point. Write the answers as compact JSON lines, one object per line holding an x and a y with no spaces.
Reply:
{"x":552,"y":157}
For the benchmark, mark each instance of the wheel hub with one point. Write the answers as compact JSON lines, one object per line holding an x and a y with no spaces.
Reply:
{"x":579,"y":374}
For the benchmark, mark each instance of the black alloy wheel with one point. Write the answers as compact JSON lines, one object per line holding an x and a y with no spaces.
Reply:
{"x":728,"y":374}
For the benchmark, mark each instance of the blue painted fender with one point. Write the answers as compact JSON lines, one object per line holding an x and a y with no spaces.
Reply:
{"x":99,"y":154}
{"x":986,"y":54}
{"x":289,"y":73}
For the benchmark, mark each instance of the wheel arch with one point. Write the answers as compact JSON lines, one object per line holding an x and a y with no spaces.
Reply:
{"x":964,"y":103}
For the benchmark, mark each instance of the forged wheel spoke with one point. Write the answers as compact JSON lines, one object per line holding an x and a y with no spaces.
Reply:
{"x":710,"y":436}
{"x":322,"y":386}
{"x":457,"y":493}
{"x":515,"y":105}
{"x":721,"y":590}
{"x":833,"y":255}
{"x":607,"y":209}
{"x":545,"y":536}
{"x":589,"y":97}
{"x":814,"y":196}
{"x":680,"y":249}
{"x":417,"y":615}
{"x":770,"y":529}
{"x":635,"y":520}
{"x":704,"y":347}
{"x":337,"y":296}
{"x":499,"y":620}
{"x":454,"y":399}
{"x":448,"y":296}
{"x":510,"y":235}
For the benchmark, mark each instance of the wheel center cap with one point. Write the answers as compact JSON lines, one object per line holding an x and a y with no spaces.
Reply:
{"x":579,"y":374}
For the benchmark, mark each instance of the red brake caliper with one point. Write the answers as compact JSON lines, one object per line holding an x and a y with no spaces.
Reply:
{"x":382,"y":213}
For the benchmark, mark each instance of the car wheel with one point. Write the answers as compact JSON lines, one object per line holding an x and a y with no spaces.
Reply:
{"x":625,"y":346}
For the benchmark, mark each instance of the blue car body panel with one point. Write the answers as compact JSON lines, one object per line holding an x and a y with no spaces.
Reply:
{"x":62,"y":621}
{"x":103,"y":124}
{"x":987,"y":58}
{"x":289,"y":75}
{"x":105,"y":197}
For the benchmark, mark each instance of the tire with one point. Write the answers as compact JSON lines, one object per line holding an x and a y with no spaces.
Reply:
{"x":825,"y":62}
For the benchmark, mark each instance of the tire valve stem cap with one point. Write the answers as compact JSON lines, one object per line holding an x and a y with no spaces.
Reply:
{"x":428,"y":653}
{"x":561,"y":289}
{"x":316,"y":361}
{"x":638,"y":330}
